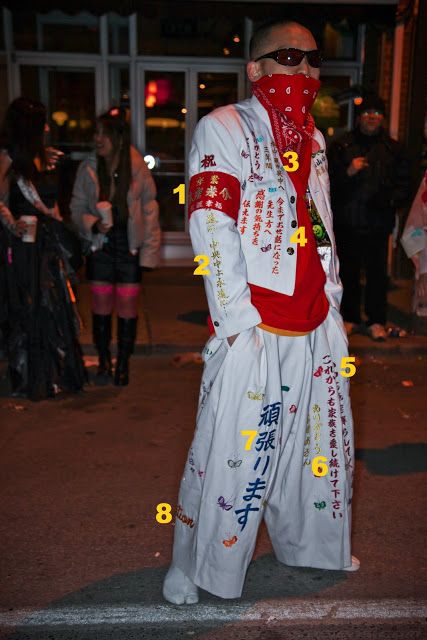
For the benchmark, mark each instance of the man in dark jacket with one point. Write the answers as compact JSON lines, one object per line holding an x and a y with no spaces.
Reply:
{"x":369,"y":175}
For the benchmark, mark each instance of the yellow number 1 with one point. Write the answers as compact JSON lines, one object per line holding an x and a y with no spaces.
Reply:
{"x":251,"y":435}
{"x":180,"y":190}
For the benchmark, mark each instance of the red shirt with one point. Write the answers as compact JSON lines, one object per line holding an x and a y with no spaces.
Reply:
{"x":307,"y":308}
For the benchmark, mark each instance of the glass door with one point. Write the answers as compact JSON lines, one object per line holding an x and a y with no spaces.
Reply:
{"x":173,"y":98}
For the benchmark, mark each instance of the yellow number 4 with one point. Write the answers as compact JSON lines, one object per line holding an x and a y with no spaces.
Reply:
{"x":318,"y":466}
{"x":180,"y":190}
{"x":251,"y":435}
{"x":201,"y":269}
{"x":347,"y":363}
{"x":292,"y":158}
{"x":298,"y":237}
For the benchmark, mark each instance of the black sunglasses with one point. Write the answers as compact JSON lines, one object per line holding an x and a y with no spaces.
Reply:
{"x":293,"y":57}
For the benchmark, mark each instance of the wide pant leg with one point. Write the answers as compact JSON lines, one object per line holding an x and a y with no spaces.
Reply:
{"x":309,"y":517}
{"x":264,"y":383}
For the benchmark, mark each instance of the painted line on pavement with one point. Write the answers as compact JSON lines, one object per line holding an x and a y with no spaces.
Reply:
{"x":257,"y":612}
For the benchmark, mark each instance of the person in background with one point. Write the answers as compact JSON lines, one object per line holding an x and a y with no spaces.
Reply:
{"x":38,"y":315}
{"x":115,"y":209}
{"x":414,"y":241}
{"x":369,"y":175}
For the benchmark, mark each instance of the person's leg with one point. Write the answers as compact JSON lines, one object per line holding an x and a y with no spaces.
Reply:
{"x":127,"y":317}
{"x":349,"y":251}
{"x":376,"y":279}
{"x":221,"y":498}
{"x":309,"y":516}
{"x":102,"y":307}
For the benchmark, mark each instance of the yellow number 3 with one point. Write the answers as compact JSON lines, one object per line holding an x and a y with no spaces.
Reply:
{"x":201,"y":269}
{"x":292,"y":158}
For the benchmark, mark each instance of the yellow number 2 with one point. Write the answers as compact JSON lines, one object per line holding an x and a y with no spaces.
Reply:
{"x":298,"y":237}
{"x":251,"y":435}
{"x":180,"y":190}
{"x":163,"y":515}
{"x":347,"y":363}
{"x":292,"y":158}
{"x":318,"y":466}
{"x":201,"y":269}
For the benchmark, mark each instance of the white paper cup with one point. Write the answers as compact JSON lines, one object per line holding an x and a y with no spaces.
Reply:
{"x":31,"y":231}
{"x":106,"y":212}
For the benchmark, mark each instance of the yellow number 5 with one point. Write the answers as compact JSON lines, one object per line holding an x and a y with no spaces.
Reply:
{"x":318,"y":466}
{"x":201,"y":269}
{"x":251,"y":435}
{"x":292,"y":158}
{"x":347,"y":363}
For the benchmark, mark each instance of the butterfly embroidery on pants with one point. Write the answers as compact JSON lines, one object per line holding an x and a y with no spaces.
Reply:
{"x":223,"y":504}
{"x":229,"y":543}
{"x":234,"y":464}
{"x":318,"y":372}
{"x":320,"y":505}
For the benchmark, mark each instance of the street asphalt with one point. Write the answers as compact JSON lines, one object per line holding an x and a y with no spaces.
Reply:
{"x":82,"y":556}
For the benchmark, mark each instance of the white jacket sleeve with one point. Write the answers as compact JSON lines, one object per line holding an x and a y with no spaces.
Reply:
{"x":150,"y":251}
{"x":214,"y":204}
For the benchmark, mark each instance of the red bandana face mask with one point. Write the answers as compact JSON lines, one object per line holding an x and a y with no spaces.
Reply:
{"x":292,"y":95}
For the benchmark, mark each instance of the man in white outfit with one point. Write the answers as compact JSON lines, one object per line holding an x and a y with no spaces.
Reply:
{"x":274,"y":434}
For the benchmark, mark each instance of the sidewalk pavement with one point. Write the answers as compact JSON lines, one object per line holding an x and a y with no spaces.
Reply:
{"x":173,"y":312}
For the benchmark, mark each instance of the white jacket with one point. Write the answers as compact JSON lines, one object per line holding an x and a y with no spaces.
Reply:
{"x":143,"y":222}
{"x":237,"y":140}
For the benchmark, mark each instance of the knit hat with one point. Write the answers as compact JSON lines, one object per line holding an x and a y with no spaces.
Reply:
{"x":371,"y":101}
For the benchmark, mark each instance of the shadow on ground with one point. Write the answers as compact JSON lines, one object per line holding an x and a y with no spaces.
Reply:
{"x":395,"y":460}
{"x":130,"y":606}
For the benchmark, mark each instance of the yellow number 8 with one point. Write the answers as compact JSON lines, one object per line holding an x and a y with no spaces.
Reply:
{"x":163,"y":515}
{"x":292,"y":158}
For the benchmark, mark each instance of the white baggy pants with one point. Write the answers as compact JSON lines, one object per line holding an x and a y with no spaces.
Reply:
{"x":290,"y":392}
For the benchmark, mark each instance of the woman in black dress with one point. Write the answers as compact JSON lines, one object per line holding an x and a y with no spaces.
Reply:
{"x":38,"y":312}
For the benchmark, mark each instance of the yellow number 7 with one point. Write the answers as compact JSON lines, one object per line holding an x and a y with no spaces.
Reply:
{"x":347,"y":363}
{"x":251,"y":435}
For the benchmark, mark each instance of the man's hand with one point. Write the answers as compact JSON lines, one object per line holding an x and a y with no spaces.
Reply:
{"x":231,"y":339}
{"x":357,"y":164}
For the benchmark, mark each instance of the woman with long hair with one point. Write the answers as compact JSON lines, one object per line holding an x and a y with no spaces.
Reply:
{"x":114,"y":206}
{"x":38,"y":319}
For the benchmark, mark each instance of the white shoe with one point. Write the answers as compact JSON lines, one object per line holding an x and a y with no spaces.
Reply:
{"x":178,"y":588}
{"x":377,"y":332}
{"x":355,"y":564}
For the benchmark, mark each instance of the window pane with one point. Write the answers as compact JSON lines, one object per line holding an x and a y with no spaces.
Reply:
{"x":165,"y":141}
{"x":339,"y":41}
{"x":119,"y":85}
{"x":215,"y":90}
{"x":118,"y":34}
{"x":3,"y":83}
{"x":56,"y":31}
{"x":190,"y":29}
{"x":329,"y":111}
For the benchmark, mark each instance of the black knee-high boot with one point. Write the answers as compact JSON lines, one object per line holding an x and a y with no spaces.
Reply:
{"x":101,"y":327}
{"x":126,"y":336}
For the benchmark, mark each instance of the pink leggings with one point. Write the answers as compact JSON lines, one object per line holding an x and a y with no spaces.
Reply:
{"x":125,"y":296}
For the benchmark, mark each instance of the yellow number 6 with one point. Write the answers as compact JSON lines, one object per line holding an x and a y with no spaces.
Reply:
{"x":318,"y":466}
{"x":292,"y":158}
{"x":347,"y":363}
{"x":201,"y":269}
